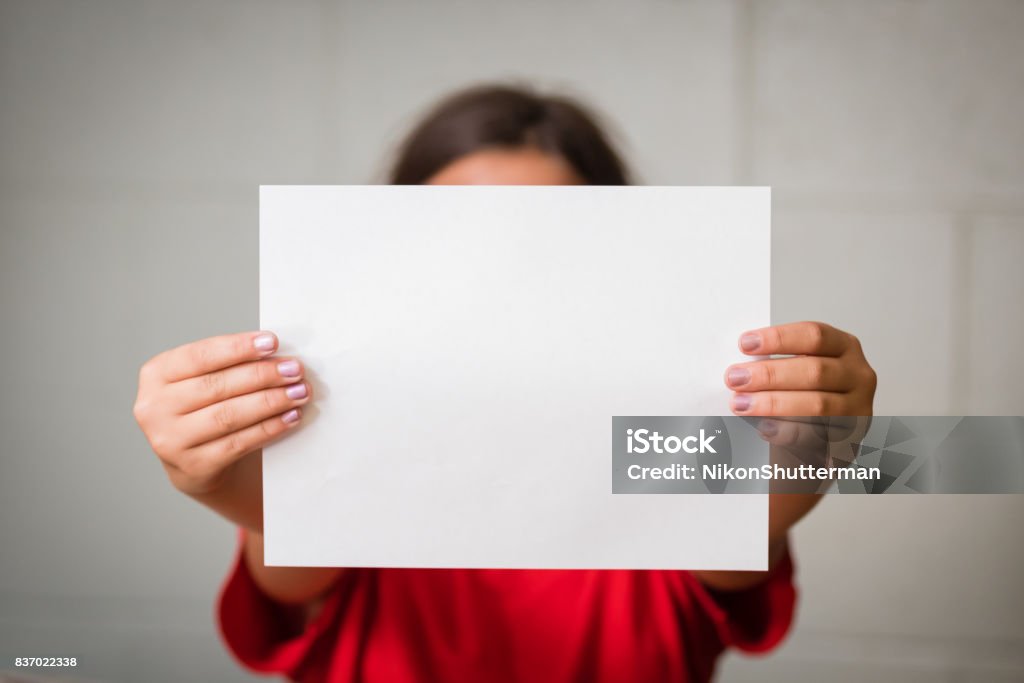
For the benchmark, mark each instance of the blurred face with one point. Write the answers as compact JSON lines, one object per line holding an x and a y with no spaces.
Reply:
{"x":516,"y":166}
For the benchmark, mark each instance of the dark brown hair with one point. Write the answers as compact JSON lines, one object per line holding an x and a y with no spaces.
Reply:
{"x":500,"y":116}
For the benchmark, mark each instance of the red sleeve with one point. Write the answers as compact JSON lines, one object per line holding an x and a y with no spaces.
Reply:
{"x":269,"y":637}
{"x":755,"y":619}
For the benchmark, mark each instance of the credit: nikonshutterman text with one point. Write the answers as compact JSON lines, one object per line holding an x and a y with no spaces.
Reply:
{"x":645,"y":442}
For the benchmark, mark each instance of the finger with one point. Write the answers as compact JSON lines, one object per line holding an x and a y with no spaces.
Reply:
{"x":806,"y":373}
{"x":215,"y":353}
{"x":843,"y":428}
{"x":798,"y":339}
{"x":194,"y":393}
{"x":215,"y":455}
{"x":795,"y":441}
{"x":234,"y":414}
{"x":781,"y":431}
{"x":771,"y":403}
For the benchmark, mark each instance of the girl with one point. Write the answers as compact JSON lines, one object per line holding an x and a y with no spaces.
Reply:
{"x":208,"y":407}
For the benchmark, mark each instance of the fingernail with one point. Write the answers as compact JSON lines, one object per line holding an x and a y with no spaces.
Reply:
{"x":738,"y":377}
{"x":289,"y":368}
{"x":768,"y":427}
{"x":296,"y":391}
{"x":741,"y":402}
{"x":264,"y":342}
{"x":290,"y":417}
{"x":750,"y":341}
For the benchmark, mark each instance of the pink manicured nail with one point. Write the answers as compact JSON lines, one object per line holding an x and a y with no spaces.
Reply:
{"x":296,"y":391}
{"x":264,"y":342}
{"x":290,"y":417}
{"x":289,"y":368}
{"x":738,"y":377}
{"x":741,"y":402}
{"x":750,"y":341}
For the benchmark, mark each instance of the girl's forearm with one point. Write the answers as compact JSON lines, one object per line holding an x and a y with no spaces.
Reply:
{"x":239,"y":499}
{"x":288,"y":585}
{"x":784,"y":510}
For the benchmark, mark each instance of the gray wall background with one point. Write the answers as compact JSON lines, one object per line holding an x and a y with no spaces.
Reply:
{"x":133,"y":136}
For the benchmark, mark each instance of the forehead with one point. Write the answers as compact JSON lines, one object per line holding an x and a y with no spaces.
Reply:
{"x":518,"y":166}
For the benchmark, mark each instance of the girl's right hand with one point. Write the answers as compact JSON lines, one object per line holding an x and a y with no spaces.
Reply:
{"x":205,"y":405}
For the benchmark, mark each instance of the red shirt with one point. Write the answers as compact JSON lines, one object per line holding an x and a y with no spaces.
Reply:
{"x":454,"y":625}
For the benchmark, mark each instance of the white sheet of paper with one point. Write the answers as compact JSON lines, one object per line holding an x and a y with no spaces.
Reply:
{"x":469,"y":347}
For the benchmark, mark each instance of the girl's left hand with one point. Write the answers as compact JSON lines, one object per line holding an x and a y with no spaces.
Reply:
{"x":826,"y":375}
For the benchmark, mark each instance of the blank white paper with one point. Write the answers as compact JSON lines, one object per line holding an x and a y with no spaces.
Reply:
{"x":468,"y":348}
